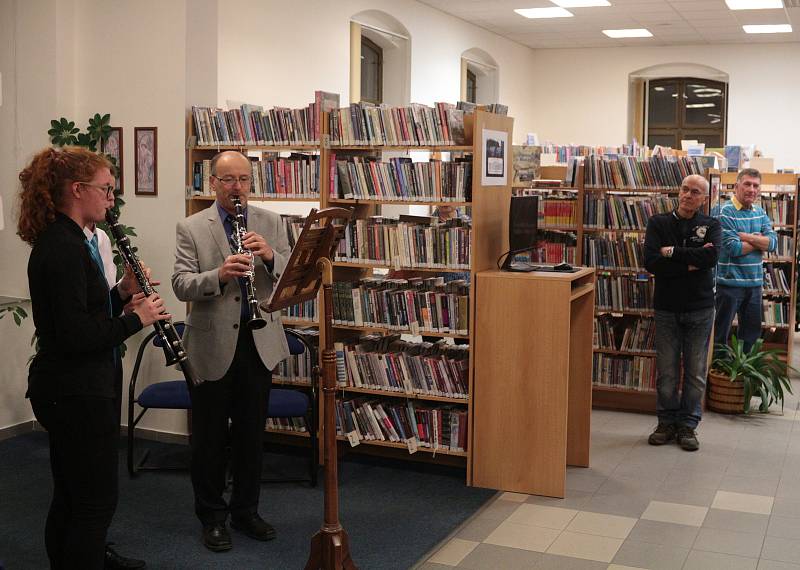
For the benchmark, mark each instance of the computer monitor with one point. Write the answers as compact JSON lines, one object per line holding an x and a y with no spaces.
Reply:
{"x":523,"y":218}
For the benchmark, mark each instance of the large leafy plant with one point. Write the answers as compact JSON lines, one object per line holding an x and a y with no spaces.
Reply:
{"x":761,"y":372}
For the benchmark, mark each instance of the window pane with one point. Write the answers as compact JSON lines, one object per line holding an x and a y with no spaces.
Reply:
{"x":472,"y":87}
{"x":662,"y":104}
{"x":710,"y":140}
{"x":704,"y":102}
{"x":370,"y":73}
{"x":663,"y":140}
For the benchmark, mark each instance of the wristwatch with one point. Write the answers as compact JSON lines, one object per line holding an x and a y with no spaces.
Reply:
{"x":670,"y":249}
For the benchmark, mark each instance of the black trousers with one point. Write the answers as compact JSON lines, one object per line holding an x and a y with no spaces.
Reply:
{"x":83,"y":435}
{"x":240,"y":396}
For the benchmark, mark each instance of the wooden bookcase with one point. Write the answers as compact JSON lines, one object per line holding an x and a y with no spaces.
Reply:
{"x":776,"y":186}
{"x":489,"y":239}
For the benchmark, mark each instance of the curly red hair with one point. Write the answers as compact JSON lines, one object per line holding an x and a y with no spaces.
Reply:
{"x":43,"y":182}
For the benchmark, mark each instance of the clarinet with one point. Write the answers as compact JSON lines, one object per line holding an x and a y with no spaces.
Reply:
{"x":170,"y":339}
{"x":256,"y":321}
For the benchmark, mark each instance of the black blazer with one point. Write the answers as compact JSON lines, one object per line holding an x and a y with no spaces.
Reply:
{"x":70,"y":301}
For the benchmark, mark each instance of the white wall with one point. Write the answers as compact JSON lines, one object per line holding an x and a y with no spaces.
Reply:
{"x":583,"y":97}
{"x":312,"y":38}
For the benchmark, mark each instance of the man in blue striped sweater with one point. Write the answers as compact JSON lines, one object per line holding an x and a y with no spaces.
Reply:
{"x":746,"y":234}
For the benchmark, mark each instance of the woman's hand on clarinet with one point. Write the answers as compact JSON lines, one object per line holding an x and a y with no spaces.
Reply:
{"x":149,"y":309}
{"x":129,"y":285}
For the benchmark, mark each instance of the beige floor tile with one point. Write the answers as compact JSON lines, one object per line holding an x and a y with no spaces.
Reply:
{"x":611,"y":526}
{"x":675,"y":513}
{"x":542,"y":516}
{"x":743,"y":544}
{"x":700,"y":560}
{"x":514,"y":497}
{"x":621,"y":567}
{"x":773,"y":565}
{"x":586,"y":546}
{"x":743,"y":502}
{"x":453,"y":552}
{"x":522,"y":536}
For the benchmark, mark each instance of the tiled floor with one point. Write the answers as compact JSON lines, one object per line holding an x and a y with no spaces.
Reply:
{"x":733,"y":504}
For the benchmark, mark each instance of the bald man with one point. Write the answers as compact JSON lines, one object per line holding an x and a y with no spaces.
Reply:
{"x":233,"y":362}
{"x":681,"y":251}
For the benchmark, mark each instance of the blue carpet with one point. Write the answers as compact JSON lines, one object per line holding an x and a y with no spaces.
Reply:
{"x":393,"y":511}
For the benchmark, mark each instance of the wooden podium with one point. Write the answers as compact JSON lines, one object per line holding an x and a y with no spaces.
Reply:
{"x":532,"y":385}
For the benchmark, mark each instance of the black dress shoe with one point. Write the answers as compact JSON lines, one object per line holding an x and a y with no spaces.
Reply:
{"x":254,"y":527}
{"x":216,"y":537}
{"x":114,"y":561}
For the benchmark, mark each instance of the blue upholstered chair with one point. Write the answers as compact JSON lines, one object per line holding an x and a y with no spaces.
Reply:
{"x":174,"y":395}
{"x":169,"y":395}
{"x":289,"y":403}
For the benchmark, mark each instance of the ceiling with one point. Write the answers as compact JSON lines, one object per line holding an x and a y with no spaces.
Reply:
{"x":672,"y":22}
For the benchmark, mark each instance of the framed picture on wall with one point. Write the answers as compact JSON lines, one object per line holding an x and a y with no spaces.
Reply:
{"x":112,"y":146}
{"x":145,"y":153}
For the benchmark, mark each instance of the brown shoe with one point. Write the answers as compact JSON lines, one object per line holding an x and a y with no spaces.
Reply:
{"x":216,"y":537}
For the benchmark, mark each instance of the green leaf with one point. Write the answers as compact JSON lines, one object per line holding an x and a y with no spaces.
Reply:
{"x":17,"y":319}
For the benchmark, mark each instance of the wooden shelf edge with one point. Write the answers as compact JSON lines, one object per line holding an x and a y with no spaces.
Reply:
{"x":396,"y":331}
{"x":404,"y":395}
{"x":401,"y":268}
{"x":398,"y":202}
{"x":404,"y":446}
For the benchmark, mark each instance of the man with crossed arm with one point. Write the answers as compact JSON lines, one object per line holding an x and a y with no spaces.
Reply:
{"x":681,"y":249}
{"x":746,"y":234}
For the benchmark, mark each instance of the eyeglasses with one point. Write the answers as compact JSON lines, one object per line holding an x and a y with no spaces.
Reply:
{"x":231,"y":180}
{"x":693,"y":191}
{"x":109,"y":190}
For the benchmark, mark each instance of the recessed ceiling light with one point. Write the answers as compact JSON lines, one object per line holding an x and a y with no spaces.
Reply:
{"x":631,"y":33}
{"x":754,"y":4}
{"x":700,"y":105}
{"x":552,"y":12}
{"x":580,"y":3}
{"x":768,"y":29}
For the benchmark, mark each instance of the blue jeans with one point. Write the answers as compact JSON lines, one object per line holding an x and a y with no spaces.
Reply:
{"x":682,"y":338}
{"x":744,"y":301}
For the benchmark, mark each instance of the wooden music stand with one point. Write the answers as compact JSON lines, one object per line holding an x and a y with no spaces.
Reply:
{"x":308,"y":268}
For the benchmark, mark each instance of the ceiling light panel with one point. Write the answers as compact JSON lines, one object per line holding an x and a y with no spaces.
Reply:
{"x":581,"y":3}
{"x":629,"y":33}
{"x":754,"y":4}
{"x":768,"y":29}
{"x":552,"y":12}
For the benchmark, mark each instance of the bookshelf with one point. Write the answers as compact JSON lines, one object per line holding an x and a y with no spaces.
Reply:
{"x":480,"y":242}
{"x":778,"y":197}
{"x":606,"y":204}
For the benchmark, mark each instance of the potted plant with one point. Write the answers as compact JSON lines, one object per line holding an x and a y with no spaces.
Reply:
{"x":736,"y":376}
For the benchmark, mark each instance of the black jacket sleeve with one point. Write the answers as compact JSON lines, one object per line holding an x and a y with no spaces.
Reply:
{"x":702,"y":257}
{"x":76,"y":329}
{"x":654,"y":262}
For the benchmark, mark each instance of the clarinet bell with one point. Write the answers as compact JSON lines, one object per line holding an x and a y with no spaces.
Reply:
{"x":256,"y":323}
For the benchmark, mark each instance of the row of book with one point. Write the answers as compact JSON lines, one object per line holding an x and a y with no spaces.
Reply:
{"x":410,"y":125}
{"x":394,"y":365}
{"x":622,"y":252}
{"x":417,"y":425}
{"x":295,"y":176}
{"x":638,"y":335}
{"x":627,"y":213}
{"x":633,"y":373}
{"x":298,"y":368}
{"x":564,"y":153}
{"x":631,"y":173}
{"x":254,"y":125}
{"x":779,"y":209}
{"x":408,"y":244}
{"x":413,"y":306}
{"x":400,"y":179}
{"x":558,"y":212}
{"x":287,"y":424}
{"x":305,"y":311}
{"x":555,"y":249}
{"x":624,"y":292}
{"x":776,"y":279}
{"x":784,"y":249}
{"x":775,"y":312}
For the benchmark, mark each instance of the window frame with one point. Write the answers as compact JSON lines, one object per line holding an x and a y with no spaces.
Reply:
{"x":365,"y":41}
{"x":682,"y":130}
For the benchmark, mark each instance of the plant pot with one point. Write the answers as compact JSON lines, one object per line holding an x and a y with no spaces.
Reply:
{"x":724,"y":396}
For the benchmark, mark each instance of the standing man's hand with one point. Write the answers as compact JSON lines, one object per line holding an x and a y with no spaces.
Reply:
{"x":259,"y":246}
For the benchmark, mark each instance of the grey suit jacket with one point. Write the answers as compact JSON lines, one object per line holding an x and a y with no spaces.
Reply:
{"x":212,"y":326}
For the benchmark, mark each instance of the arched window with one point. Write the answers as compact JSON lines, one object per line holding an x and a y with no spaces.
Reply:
{"x":371,"y":71}
{"x":680,"y":108}
{"x":479,"y":77}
